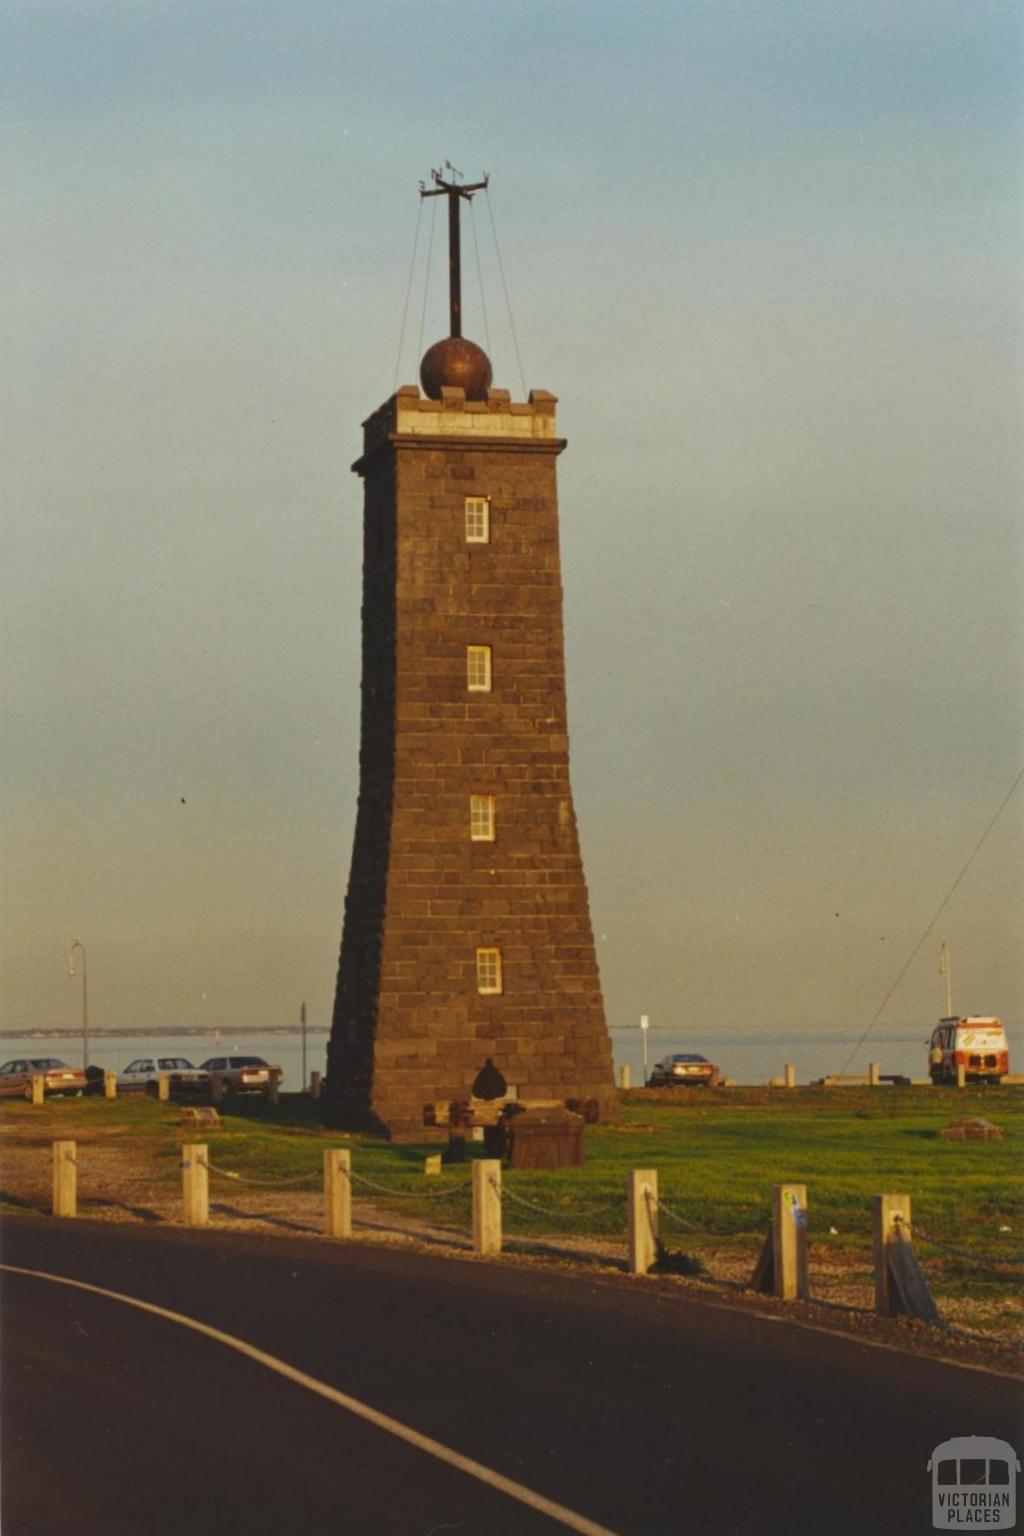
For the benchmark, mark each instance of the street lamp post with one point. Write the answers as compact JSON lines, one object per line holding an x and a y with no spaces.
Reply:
{"x":302,"y":1017}
{"x":645,"y":1025}
{"x":77,"y":944}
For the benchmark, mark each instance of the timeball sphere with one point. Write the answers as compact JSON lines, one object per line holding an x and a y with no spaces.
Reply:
{"x":456,"y":363}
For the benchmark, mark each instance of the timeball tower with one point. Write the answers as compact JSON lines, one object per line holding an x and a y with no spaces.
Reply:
{"x":467,"y":933}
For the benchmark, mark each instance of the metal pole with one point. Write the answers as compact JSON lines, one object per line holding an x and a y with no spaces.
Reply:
{"x":454,"y":264}
{"x":302,"y":1016}
{"x":946,"y":969}
{"x":77,"y":944}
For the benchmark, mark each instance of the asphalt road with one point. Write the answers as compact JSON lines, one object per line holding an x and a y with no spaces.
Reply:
{"x":648,"y":1413}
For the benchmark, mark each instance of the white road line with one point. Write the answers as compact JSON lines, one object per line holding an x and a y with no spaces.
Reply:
{"x":566,"y":1517}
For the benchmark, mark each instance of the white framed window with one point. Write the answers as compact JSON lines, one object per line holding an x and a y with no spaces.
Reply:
{"x":478,"y":668}
{"x":488,"y":970}
{"x":481,"y":818}
{"x":478,"y":520}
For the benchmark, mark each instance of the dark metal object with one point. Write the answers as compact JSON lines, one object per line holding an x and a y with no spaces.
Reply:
{"x":489,"y":1082}
{"x":545,"y":1138}
{"x":455,"y":362}
{"x":453,"y":191}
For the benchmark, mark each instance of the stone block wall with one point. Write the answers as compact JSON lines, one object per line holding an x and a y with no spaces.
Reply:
{"x":410,"y":1025}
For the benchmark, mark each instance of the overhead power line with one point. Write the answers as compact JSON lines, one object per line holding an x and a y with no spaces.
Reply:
{"x":944,"y":903}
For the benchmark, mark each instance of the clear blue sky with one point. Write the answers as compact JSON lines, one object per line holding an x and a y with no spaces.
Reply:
{"x":768,"y":255}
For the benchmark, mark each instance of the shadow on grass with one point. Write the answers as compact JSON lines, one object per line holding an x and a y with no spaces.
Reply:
{"x":18,"y":1203}
{"x":140,"y":1212}
{"x":222,"y":1209}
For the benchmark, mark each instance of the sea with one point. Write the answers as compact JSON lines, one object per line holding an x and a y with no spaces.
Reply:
{"x":748,"y":1055}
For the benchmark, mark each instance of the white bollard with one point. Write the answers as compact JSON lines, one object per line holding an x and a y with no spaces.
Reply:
{"x":338,"y":1192}
{"x":888,"y":1211}
{"x":624,"y":1075}
{"x":642,"y":1201}
{"x":790,"y":1074}
{"x":65,"y":1179}
{"x":789,"y":1240}
{"x":195,"y":1184}
{"x":36,"y":1091}
{"x":110,"y":1085}
{"x":486,"y":1206}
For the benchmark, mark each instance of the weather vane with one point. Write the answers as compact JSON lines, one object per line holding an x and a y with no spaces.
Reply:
{"x":454,"y":193}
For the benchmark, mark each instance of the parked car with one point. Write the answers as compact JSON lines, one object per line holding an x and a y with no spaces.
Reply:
{"x":685,"y":1070}
{"x":143,"y":1076}
{"x":240,"y":1074}
{"x":16,"y":1076}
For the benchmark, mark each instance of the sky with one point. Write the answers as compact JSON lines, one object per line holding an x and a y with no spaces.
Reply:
{"x":769,"y":257}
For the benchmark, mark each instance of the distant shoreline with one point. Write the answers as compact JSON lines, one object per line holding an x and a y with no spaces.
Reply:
{"x":175,"y":1032}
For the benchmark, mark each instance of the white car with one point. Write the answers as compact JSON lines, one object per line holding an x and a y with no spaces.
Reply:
{"x":143,"y":1075}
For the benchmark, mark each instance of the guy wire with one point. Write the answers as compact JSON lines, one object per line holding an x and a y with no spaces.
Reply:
{"x":480,"y":276}
{"x":408,"y":292}
{"x":426,"y":285}
{"x":409,"y":289}
{"x":941,"y":908}
{"x":504,"y":284}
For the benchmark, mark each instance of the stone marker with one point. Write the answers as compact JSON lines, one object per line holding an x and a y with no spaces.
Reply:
{"x":971,"y":1128}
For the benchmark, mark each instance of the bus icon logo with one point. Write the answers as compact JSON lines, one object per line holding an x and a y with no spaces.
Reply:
{"x":974,"y":1483}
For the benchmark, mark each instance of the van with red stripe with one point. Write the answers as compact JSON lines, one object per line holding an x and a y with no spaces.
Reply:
{"x":976,"y":1044}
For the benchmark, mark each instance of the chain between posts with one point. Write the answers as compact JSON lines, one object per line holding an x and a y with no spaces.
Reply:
{"x":409,"y":1194}
{"x":503,"y":1192}
{"x":688,"y":1226}
{"x":982,"y":1260}
{"x":240,"y":1178}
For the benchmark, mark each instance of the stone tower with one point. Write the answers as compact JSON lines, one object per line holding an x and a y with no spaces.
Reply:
{"x":467,"y":933}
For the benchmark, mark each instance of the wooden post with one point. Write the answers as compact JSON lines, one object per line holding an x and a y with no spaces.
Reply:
{"x":961,"y":1075}
{"x":163,"y":1086}
{"x":486,"y":1206}
{"x":624,"y":1075}
{"x":790,"y":1074}
{"x":432,"y":1164}
{"x":314,"y":1085}
{"x":782,"y":1268}
{"x":110,"y":1085}
{"x":874,"y":1080}
{"x":884,"y":1210}
{"x":195,"y":1184}
{"x":642,"y":1202}
{"x":65,"y":1179}
{"x":900,"y":1285}
{"x":38,"y":1083}
{"x":274,"y":1089}
{"x":338,"y":1192}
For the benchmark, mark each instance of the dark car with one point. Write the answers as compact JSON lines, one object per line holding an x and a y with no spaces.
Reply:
{"x":685,"y":1070}
{"x":240,"y":1074}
